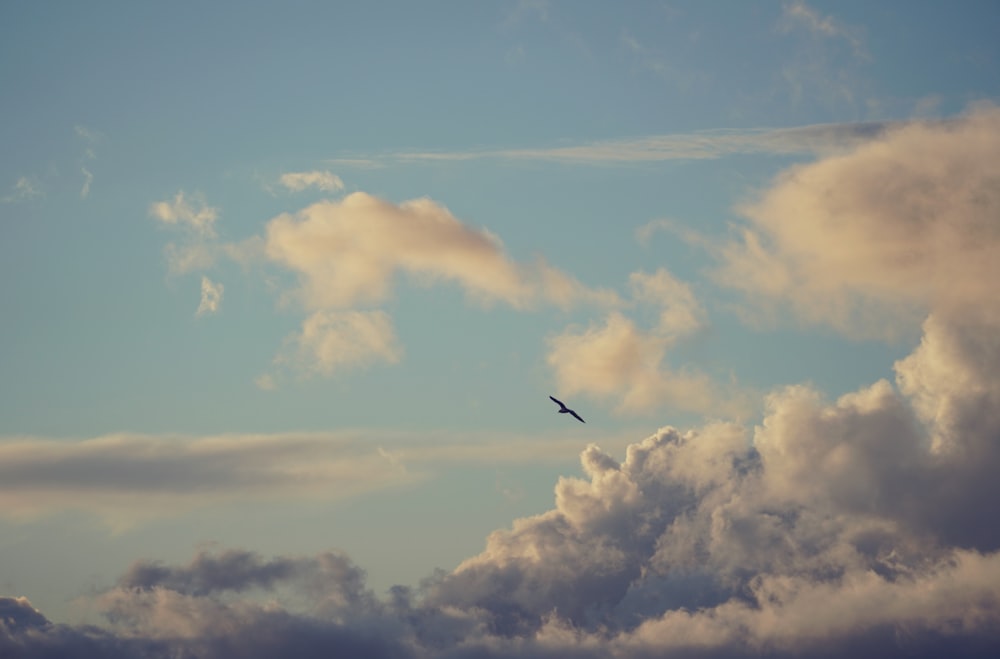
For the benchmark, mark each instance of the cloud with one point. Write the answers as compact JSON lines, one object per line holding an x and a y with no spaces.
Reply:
{"x":322,"y":180}
{"x":331,"y":341}
{"x":23,"y":190}
{"x":830,"y":528}
{"x":347,"y":252}
{"x":701,"y":145}
{"x":188,"y":213}
{"x":126,"y":478}
{"x":870,"y":240}
{"x":619,"y":361}
{"x":88,"y":178}
{"x":195,"y":219}
{"x":798,"y":15}
{"x":211,"y":296}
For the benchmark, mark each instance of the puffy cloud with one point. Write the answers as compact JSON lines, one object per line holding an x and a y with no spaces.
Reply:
{"x":618,"y":360}
{"x":322,"y":180}
{"x":870,"y":240}
{"x":211,"y":296}
{"x":336,"y":340}
{"x":347,"y":252}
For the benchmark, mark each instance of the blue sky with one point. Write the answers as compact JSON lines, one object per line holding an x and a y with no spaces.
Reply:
{"x":300,"y":277}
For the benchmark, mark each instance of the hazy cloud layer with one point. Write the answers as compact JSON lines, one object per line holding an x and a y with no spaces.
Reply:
{"x":125,"y":478}
{"x":870,"y":240}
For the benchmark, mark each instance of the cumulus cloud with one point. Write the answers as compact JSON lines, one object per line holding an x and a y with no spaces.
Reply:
{"x":211,"y":296}
{"x":869,"y":241}
{"x":321,"y":180}
{"x":617,"y":360}
{"x":347,"y":252}
{"x":332,"y":341}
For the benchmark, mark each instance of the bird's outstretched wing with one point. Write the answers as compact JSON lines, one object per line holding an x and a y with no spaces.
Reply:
{"x":558,"y":402}
{"x":577,"y":416}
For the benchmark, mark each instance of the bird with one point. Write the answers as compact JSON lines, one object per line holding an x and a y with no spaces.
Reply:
{"x":563,"y":409}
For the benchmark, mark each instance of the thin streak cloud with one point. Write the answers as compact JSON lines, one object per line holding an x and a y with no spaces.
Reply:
{"x":701,"y":145}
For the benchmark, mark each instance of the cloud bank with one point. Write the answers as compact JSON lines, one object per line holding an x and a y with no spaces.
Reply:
{"x":861,"y":526}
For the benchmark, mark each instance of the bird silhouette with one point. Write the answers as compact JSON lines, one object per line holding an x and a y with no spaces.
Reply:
{"x":565,"y":410}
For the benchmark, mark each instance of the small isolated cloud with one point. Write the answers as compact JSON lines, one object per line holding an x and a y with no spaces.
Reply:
{"x":265,"y":382}
{"x":23,"y":190}
{"x":332,"y":341}
{"x":88,"y":178}
{"x":211,"y":296}
{"x":798,"y":15}
{"x":347,"y":253}
{"x":91,"y":138}
{"x":195,"y":219}
{"x":321,"y":180}
{"x":870,"y":240}
{"x":188,"y":212}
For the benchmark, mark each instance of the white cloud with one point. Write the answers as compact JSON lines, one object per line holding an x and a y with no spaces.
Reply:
{"x":321,"y":180}
{"x":211,"y":296}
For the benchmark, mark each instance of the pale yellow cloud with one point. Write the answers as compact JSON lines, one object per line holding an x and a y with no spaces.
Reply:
{"x":211,"y":296}
{"x":870,"y":240}
{"x":332,"y":341}
{"x":618,"y":361}
{"x":347,"y":253}
{"x":187,"y":212}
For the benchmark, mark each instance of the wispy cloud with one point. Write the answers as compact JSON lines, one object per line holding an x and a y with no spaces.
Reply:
{"x":798,"y":15}
{"x":195,"y":220}
{"x":702,"y":145}
{"x":321,"y":180}
{"x":24,"y":189}
{"x":91,"y":138}
{"x":211,"y":296}
{"x":187,"y":212}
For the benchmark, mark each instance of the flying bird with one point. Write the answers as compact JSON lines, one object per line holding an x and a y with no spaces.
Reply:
{"x":564,"y":410}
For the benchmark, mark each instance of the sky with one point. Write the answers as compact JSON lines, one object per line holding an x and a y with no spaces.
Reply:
{"x":286,"y":287}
